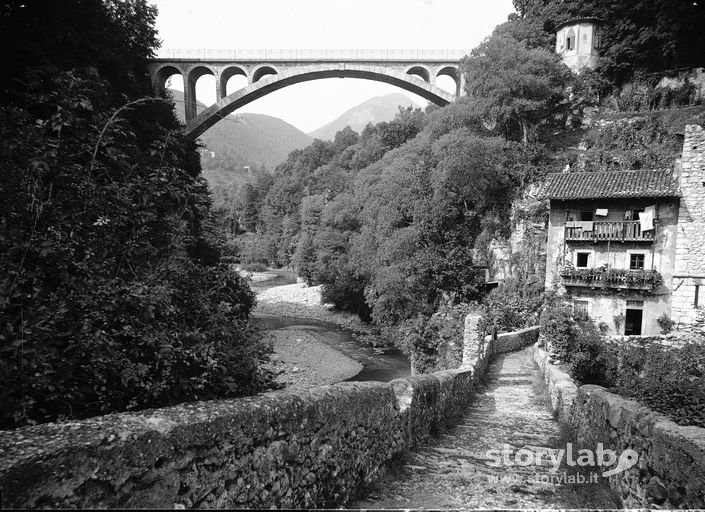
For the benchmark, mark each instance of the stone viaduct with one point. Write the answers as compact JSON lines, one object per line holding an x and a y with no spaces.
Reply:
{"x":269,"y":70}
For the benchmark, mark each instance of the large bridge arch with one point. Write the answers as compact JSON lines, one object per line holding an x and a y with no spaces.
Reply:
{"x":269,"y":83}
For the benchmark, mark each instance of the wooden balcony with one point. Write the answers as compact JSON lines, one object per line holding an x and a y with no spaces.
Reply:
{"x":610,"y":231}
{"x":617,"y":279}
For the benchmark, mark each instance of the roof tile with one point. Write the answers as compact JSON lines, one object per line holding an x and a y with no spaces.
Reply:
{"x":611,"y":184}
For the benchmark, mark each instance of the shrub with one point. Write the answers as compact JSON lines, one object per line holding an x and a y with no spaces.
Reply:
{"x":556,"y":325}
{"x":509,"y":307}
{"x":434,"y":342}
{"x":666,"y":379}
{"x":588,"y":355}
{"x":665,"y":323}
{"x":669,"y":380}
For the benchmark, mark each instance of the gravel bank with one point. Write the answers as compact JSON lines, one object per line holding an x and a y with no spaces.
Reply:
{"x":301,"y":301}
{"x":302,"y":360}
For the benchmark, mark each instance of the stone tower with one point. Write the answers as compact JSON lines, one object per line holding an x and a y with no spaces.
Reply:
{"x":578,"y":43}
{"x":689,"y":274}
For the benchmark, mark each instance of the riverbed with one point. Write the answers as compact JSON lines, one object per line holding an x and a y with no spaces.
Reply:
{"x":294,"y":311}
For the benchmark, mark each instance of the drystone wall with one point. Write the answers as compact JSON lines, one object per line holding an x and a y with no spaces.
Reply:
{"x":298,"y":449}
{"x":670,"y":472}
{"x":512,"y":341}
{"x":676,"y":339}
{"x":560,"y":387}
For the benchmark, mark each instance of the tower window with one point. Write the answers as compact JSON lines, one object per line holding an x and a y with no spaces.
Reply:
{"x":570,"y":40}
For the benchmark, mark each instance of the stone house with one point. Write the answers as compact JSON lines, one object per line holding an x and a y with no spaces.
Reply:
{"x":628,"y":247}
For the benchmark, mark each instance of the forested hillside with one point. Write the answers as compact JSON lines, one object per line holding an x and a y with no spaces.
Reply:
{"x":397,"y":223}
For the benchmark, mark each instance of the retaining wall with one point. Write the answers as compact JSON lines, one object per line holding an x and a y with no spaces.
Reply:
{"x":297,"y":449}
{"x":670,"y":472}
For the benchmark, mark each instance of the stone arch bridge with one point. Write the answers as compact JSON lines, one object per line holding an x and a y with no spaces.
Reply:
{"x":269,"y":70}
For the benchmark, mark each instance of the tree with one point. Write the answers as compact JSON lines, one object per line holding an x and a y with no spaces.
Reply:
{"x":112,"y":296}
{"x":516,"y":87}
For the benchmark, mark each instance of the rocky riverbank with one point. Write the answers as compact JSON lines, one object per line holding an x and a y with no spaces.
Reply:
{"x":301,"y":361}
{"x":299,"y":358}
{"x":301,"y":301}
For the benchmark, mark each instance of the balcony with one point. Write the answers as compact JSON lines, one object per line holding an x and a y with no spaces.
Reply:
{"x":604,"y":231}
{"x":611,"y":278}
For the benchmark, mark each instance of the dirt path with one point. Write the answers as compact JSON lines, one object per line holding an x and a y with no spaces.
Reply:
{"x":455,"y":470}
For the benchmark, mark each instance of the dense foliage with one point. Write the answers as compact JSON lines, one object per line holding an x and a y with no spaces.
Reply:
{"x":519,"y":88}
{"x":111,"y":294}
{"x":647,"y":36}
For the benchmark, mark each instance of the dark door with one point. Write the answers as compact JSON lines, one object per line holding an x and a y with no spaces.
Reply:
{"x":632,"y":322}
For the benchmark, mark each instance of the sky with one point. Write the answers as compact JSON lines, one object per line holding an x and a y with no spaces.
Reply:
{"x":324,"y":24}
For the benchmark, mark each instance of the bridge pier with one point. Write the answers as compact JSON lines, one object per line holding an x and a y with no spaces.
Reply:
{"x":220,"y":86}
{"x":190,"y":108}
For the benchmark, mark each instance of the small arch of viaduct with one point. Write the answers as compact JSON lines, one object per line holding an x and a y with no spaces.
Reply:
{"x":417,"y":75}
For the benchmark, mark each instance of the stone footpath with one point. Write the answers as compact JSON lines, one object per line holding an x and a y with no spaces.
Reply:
{"x":454,"y":470}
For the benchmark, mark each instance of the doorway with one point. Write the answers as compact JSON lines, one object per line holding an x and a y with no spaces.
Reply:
{"x":632,"y":322}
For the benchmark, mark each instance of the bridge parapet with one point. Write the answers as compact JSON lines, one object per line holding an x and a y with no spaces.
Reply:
{"x":379,"y":55}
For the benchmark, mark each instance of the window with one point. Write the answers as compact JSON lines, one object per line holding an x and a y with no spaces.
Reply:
{"x":580,"y":309}
{"x":636,"y":261}
{"x":582,"y":259}
{"x":570,"y":40}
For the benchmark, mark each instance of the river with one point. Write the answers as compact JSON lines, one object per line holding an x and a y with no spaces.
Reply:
{"x":383,"y":364}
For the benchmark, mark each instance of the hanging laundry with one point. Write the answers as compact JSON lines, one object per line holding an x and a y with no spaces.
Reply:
{"x":573,"y":224}
{"x":646,"y":219}
{"x":586,"y":225}
{"x":601,"y":212}
{"x":652,"y":210}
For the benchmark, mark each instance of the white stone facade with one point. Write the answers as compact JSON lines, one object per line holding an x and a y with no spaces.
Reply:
{"x":578,"y":44}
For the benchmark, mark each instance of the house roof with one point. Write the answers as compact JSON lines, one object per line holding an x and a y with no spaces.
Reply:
{"x":611,"y":185}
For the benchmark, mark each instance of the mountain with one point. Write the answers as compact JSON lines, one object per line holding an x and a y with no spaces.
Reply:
{"x":238,"y":145}
{"x":374,"y":110}
{"x":252,"y":140}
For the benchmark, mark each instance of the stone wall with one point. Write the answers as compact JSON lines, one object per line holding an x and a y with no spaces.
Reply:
{"x":512,"y":341}
{"x":670,"y":472}
{"x":297,"y":449}
{"x":676,"y":339}
{"x":560,"y":387}
{"x":689,"y":274}
{"x":695,"y":76}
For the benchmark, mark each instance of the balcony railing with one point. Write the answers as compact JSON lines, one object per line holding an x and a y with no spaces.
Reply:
{"x":603,"y":277}
{"x":603,"y":231}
